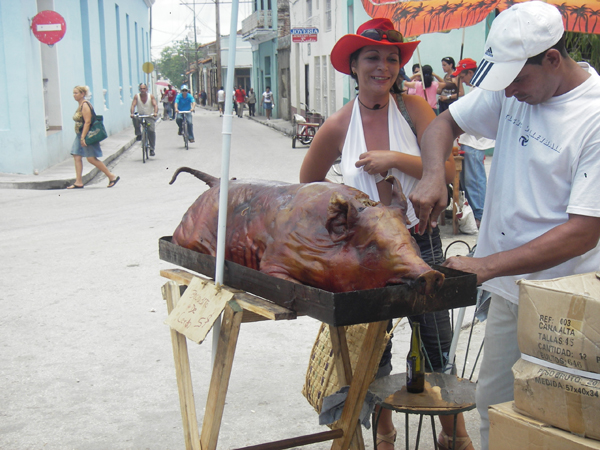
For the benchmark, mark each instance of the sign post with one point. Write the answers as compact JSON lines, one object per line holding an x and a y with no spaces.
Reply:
{"x":48,"y":27}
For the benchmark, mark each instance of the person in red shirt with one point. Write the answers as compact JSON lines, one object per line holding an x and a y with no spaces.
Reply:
{"x":240,"y":98}
{"x":171,"y":96}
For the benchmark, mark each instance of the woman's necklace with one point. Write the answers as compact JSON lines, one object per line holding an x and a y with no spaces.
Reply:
{"x":375,"y":107}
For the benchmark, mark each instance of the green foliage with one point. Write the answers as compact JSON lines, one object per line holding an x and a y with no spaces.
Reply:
{"x":584,"y":47}
{"x":174,"y":62}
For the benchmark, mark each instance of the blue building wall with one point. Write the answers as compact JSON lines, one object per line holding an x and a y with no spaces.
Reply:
{"x":265,"y":72}
{"x":37,"y":81}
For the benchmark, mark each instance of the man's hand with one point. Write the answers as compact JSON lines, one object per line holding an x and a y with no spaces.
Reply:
{"x":429,"y":199}
{"x":468,"y":264}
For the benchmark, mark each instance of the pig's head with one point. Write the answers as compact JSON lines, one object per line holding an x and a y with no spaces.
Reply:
{"x":375,"y":248}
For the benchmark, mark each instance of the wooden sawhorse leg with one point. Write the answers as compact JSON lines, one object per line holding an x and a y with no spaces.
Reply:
{"x":361,"y":379}
{"x":184,"y":376}
{"x":219,"y":382}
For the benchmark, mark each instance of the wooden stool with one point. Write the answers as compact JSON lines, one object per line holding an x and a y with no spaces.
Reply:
{"x":246,"y":307}
{"x":444,"y":394}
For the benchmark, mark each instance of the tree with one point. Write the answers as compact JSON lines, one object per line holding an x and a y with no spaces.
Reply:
{"x":175,"y":61}
{"x":584,"y":47}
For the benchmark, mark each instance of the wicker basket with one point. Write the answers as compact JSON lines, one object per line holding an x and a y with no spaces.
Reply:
{"x":321,"y":376}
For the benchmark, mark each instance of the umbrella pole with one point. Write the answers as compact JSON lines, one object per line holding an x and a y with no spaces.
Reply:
{"x":421,"y":70}
{"x":462,"y":44}
{"x":224,"y":186}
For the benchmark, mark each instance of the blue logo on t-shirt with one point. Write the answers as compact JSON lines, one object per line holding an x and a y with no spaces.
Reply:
{"x":524,"y":140}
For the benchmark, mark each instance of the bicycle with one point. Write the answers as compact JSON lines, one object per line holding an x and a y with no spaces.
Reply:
{"x":145,"y":143}
{"x":184,"y":128}
{"x":306,"y":128}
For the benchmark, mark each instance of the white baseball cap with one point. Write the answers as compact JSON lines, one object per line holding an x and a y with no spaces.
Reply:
{"x":522,"y":31}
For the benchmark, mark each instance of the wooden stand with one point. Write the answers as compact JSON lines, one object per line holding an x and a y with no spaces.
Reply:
{"x":458,"y":161}
{"x":248,"y":308}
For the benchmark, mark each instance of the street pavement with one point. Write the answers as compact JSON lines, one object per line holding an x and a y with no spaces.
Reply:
{"x":85,"y":358}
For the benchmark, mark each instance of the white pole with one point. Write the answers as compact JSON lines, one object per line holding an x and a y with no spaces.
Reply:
{"x":224,"y":188}
{"x":457,"y":327}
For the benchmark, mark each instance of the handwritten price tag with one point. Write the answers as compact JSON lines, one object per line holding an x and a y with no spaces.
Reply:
{"x":198,"y":309}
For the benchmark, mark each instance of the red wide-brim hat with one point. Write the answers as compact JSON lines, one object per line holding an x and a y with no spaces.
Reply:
{"x":348,"y":44}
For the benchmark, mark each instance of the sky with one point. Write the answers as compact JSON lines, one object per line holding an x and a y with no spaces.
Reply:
{"x":172,"y":21}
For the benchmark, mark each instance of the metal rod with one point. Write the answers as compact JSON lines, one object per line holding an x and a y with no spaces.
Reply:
{"x":224,"y":187}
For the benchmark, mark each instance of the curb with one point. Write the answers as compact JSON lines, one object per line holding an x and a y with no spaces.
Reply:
{"x":288,"y":131}
{"x":63,"y":183}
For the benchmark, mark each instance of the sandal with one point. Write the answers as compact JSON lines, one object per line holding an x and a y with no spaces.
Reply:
{"x":445,"y":442}
{"x":390,"y":438}
{"x":113,"y":182}
{"x":74,"y":186}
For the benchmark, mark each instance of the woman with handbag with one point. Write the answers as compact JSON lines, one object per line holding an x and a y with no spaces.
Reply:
{"x":83,"y":121}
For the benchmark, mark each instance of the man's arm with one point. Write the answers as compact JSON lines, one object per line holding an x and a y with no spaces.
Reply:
{"x":573,"y":238}
{"x":430,"y":195}
{"x":133,"y":103}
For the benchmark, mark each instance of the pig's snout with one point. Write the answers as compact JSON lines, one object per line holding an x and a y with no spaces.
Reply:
{"x":429,"y":282}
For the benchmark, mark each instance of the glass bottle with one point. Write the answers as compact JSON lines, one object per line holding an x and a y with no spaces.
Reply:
{"x":415,"y":362}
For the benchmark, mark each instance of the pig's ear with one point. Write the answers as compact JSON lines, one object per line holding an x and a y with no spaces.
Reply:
{"x":341,"y":218}
{"x":398,"y":198}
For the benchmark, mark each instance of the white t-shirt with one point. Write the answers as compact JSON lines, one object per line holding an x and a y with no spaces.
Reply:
{"x":221,"y":96}
{"x":546,"y":165}
{"x":267,"y":97}
{"x":478,"y":143}
{"x":402,"y":139}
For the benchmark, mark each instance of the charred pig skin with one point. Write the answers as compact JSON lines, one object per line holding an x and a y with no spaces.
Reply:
{"x":325,"y":235}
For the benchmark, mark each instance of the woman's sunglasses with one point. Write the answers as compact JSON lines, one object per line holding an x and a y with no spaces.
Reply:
{"x":378,"y":35}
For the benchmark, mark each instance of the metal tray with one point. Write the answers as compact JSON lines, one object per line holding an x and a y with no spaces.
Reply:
{"x":337,"y":309}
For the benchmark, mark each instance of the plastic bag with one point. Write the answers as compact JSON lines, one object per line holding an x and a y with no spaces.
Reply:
{"x":466,"y":219}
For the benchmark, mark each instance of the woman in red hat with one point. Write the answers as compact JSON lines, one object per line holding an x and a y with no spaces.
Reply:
{"x":378,"y":134}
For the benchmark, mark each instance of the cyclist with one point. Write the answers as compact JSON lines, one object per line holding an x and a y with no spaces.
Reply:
{"x":185,"y":102}
{"x":146,"y":106}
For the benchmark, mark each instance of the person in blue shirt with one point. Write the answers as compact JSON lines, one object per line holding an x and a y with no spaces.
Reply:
{"x":185,"y":102}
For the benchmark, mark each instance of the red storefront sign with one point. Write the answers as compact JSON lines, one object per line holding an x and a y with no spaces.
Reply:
{"x":48,"y":27}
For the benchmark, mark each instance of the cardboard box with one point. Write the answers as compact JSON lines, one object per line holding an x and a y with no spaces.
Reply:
{"x":570,"y":402}
{"x":559,"y":321}
{"x":510,"y":430}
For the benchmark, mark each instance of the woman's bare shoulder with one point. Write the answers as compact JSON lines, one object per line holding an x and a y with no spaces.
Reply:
{"x":336,"y":126}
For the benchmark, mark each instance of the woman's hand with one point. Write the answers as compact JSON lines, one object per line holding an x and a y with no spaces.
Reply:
{"x":83,"y":144}
{"x":376,"y":161}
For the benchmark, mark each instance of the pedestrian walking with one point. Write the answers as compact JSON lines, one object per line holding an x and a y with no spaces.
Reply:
{"x":240,"y":99}
{"x":267,"y":102}
{"x":83,"y":121}
{"x":251,"y":103}
{"x":221,"y":101}
{"x":171,"y":96}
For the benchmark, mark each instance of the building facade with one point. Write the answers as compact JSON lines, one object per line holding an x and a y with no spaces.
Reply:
{"x":104,"y":47}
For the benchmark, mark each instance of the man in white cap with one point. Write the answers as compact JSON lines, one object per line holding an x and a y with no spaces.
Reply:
{"x":542,"y":208}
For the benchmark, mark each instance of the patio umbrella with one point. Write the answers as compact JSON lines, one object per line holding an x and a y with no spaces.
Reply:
{"x":413,"y":18}
{"x":581,"y":16}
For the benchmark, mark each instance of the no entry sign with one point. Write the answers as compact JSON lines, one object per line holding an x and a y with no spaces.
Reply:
{"x":48,"y":27}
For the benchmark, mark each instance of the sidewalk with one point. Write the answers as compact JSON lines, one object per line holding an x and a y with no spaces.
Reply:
{"x":62,"y":174}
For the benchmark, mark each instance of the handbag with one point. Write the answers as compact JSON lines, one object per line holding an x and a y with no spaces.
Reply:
{"x":97,"y":132}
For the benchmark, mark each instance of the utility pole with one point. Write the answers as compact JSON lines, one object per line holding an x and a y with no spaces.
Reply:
{"x":218,"y":42}
{"x":195,"y":66}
